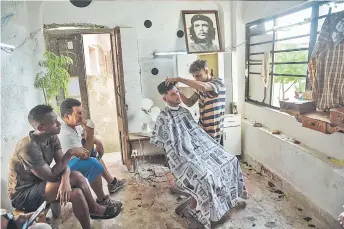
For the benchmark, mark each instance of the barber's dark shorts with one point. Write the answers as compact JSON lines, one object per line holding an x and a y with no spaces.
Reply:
{"x":30,"y":199}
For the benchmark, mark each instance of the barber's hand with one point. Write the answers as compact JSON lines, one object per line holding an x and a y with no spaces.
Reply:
{"x":341,"y":219}
{"x":64,"y":191}
{"x":100,"y":149}
{"x":81,"y":153}
{"x":169,"y":81}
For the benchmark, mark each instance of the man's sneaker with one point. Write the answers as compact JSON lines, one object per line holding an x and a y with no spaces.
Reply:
{"x":107,"y":201}
{"x":117,"y":186}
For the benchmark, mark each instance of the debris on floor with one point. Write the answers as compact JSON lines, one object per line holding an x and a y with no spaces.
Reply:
{"x":148,"y":203}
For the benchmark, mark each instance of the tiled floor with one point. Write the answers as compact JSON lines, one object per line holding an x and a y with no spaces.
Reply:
{"x":148,"y":204}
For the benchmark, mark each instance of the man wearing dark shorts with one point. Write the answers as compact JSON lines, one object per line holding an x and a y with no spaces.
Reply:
{"x":32,"y":181}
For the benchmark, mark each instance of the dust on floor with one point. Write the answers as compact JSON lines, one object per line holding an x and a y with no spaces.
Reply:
{"x":148,"y":203}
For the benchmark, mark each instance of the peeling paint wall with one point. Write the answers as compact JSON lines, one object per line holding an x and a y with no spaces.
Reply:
{"x":18,"y":68}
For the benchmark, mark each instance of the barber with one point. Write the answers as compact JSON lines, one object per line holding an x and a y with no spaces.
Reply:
{"x":211,"y":95}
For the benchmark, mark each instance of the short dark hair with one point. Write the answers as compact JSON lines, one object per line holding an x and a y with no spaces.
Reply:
{"x":163,"y":88}
{"x":37,"y":114}
{"x":198,"y":65}
{"x":211,"y":30}
{"x":67,"y":105}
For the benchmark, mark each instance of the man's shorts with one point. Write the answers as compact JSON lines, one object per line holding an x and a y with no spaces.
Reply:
{"x":90,"y":168}
{"x":29,"y":199}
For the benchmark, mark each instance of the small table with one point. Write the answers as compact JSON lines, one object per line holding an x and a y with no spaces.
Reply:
{"x":141,"y":137}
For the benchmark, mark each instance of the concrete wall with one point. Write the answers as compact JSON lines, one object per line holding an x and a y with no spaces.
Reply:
{"x":18,"y":69}
{"x":161,"y":37}
{"x":314,"y":176}
{"x":330,"y":144}
{"x":306,"y":169}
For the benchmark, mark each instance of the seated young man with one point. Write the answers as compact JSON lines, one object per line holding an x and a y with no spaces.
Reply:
{"x":31,"y":180}
{"x":201,"y":166}
{"x":73,"y":127}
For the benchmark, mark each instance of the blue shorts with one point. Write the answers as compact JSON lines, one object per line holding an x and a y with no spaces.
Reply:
{"x":90,"y":168}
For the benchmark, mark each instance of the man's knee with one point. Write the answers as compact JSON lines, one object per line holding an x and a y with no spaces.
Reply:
{"x":77,"y":177}
{"x":76,"y":193}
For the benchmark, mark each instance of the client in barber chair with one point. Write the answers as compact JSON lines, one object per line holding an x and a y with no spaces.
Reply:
{"x":203,"y":169}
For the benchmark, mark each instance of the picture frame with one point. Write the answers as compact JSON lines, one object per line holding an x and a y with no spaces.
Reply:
{"x":202,"y":31}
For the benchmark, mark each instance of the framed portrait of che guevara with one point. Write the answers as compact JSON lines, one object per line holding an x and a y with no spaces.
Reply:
{"x":202,"y":31}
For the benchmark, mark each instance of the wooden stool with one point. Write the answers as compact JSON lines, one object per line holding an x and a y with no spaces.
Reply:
{"x":40,"y":219}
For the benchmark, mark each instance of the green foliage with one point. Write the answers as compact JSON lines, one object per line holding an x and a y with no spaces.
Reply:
{"x":294,"y":69}
{"x":54,"y":75}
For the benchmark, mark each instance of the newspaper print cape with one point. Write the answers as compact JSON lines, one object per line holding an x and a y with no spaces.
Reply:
{"x":201,"y":166}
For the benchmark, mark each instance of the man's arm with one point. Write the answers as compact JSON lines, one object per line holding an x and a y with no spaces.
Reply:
{"x":65,"y":188}
{"x":189,"y":101}
{"x":198,"y":85}
{"x":89,"y":137}
{"x":99,"y":147}
{"x":52,"y":174}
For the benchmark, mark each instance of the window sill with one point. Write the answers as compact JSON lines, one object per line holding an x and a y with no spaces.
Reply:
{"x":317,"y":120}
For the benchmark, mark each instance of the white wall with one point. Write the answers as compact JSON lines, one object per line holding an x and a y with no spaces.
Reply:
{"x":315,"y":178}
{"x":161,"y":37}
{"x":255,"y":10}
{"x":18,"y":70}
{"x":307,"y":170}
{"x":330,"y":144}
{"x":333,"y":145}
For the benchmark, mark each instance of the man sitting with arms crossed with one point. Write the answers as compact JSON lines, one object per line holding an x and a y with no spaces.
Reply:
{"x":201,"y":166}
{"x":72,"y":127}
{"x":32,"y":181}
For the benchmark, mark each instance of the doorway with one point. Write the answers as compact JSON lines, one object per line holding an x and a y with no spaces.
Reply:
{"x":101,"y":89}
{"x":96,"y":80}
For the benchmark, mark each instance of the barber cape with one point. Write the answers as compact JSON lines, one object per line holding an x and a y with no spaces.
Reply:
{"x":201,"y":166}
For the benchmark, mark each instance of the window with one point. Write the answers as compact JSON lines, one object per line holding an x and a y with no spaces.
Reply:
{"x":289,"y":40}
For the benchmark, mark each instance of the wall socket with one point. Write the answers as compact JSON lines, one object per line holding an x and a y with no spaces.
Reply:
{"x":134,"y":153}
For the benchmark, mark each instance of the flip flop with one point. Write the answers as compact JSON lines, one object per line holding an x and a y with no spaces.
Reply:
{"x":179,"y":210}
{"x":109,"y":213}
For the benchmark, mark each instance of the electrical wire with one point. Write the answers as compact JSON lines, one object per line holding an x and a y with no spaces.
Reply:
{"x":31,"y":36}
{"x":229,"y":49}
{"x":139,"y":63}
{"x":149,"y":178}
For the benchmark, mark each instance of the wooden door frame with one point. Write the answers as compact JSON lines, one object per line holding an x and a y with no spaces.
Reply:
{"x":51,"y":45}
{"x":120,"y":90}
{"x":54,"y":34}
